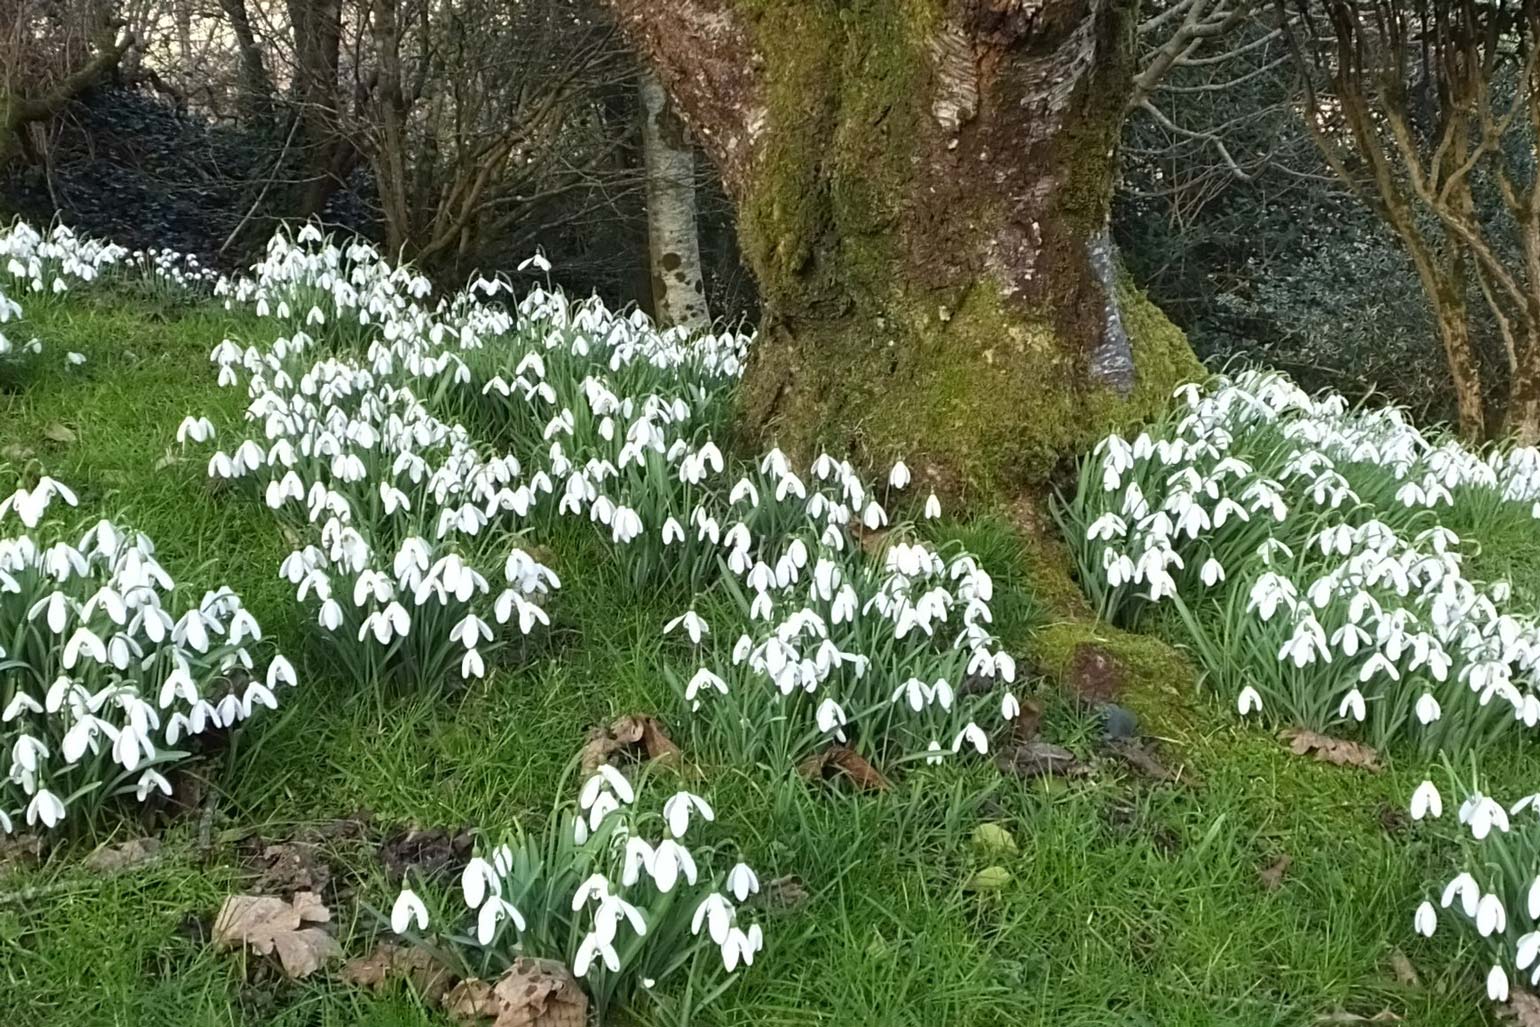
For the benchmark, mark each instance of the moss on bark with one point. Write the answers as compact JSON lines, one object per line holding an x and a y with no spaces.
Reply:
{"x":979,"y":398}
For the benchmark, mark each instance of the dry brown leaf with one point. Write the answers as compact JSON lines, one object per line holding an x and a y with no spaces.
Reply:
{"x":290,"y":867}
{"x":530,"y":993}
{"x":1341,"y":1016}
{"x":875,"y":543}
{"x":1139,"y":757}
{"x":60,"y":433}
{"x":1331,"y":750}
{"x":113,"y":858}
{"x":266,"y":924}
{"x":1405,"y":972}
{"x":390,"y":961}
{"x":1040,"y":759}
{"x":782,"y":893}
{"x":471,"y":1003}
{"x":637,"y":734}
{"x":1028,"y":721}
{"x":1524,"y":1008}
{"x":1272,"y":874}
{"x":839,"y":760}
{"x":426,"y":853}
{"x":20,"y":851}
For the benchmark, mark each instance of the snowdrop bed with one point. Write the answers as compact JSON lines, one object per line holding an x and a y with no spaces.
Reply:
{"x":41,"y":268}
{"x":1306,"y":552}
{"x":103,"y":684}
{"x":422,"y":451}
{"x":569,"y":412}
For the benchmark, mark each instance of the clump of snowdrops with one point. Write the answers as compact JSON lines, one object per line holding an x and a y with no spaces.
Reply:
{"x":1307,"y":554}
{"x":408,"y":432}
{"x":39,"y":267}
{"x":102,"y":683}
{"x":615,"y":892}
{"x":821,"y":642}
{"x":1494,"y":899}
{"x":408,"y":519}
{"x":1304,"y":549}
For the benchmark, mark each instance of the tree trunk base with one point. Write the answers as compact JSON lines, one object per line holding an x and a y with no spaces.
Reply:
{"x":1088,"y":658}
{"x":975,"y":400}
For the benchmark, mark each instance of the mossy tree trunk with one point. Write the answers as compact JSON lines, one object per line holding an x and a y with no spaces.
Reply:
{"x":923,"y":190}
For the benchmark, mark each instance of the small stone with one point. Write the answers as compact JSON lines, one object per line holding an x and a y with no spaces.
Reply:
{"x":1118,"y":722}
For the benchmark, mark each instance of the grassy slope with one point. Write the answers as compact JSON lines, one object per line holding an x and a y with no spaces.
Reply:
{"x":1130,"y":903}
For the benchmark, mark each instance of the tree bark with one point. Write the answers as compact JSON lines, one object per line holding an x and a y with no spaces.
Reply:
{"x":256,"y":87}
{"x":923,"y":189}
{"x":327,"y":155}
{"x":673,"y":237}
{"x":17,"y":110}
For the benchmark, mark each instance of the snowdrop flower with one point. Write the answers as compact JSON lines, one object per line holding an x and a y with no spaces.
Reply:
{"x":1378,"y":663}
{"x":1425,"y":921}
{"x":703,"y":679}
{"x":1528,"y":950}
{"x":492,"y":914}
{"x":280,"y":672}
{"x":198,"y":429}
{"x":742,"y":882}
{"x":1491,"y":917}
{"x":974,"y":735}
{"x":694,"y":626}
{"x":1426,"y":800}
{"x":408,"y":910}
{"x":330,"y":615}
{"x":1249,"y":700}
{"x":1353,"y":703}
{"x":591,"y":946}
{"x":478,"y":880}
{"x":151,"y":780}
{"x":1497,"y":984}
{"x":1428,"y":709}
{"x":670,"y":860}
{"x":676,"y":811}
{"x":1481,"y":814}
{"x":741,"y":945}
{"x":898,"y":478}
{"x":1010,"y":708}
{"x":45,"y":808}
{"x":716,"y":914}
{"x":932,"y":508}
{"x":638,"y":856}
{"x":606,"y":775}
{"x":831,"y":719}
{"x":1464,"y":888}
{"x":86,"y":641}
{"x":1212,"y":572}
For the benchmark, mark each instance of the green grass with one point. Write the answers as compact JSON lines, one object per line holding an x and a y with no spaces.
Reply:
{"x":1129,"y":903}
